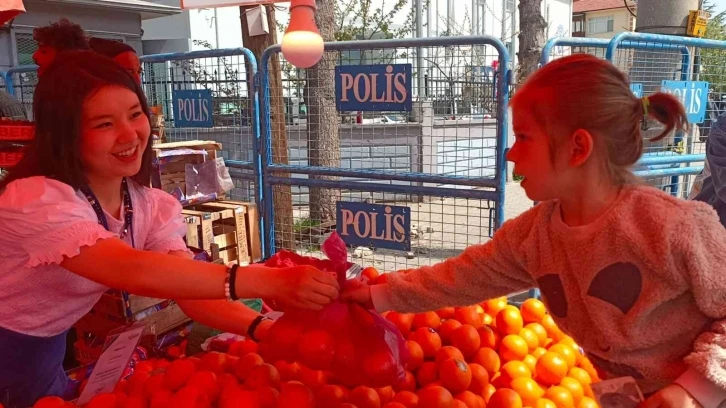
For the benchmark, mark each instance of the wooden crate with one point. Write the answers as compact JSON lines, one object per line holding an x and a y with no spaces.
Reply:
{"x":100,"y":325}
{"x":169,"y":173}
{"x":219,"y":223}
{"x":252,"y":218}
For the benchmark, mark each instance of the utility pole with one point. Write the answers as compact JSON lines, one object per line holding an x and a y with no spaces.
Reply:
{"x":281,"y":195}
{"x":664,"y":16}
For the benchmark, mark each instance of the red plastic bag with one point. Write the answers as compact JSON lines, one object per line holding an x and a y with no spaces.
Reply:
{"x":355,"y":345}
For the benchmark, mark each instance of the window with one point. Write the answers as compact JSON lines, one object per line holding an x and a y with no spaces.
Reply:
{"x":599,"y":25}
{"x":578,"y":26}
{"x":510,"y":6}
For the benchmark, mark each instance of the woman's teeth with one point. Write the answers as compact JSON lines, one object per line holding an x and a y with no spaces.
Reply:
{"x":126,"y":153}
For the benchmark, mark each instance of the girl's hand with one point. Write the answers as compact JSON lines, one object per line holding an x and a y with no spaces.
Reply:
{"x":672,"y":396}
{"x":304,"y":286}
{"x":262,"y":329}
{"x":356,"y":290}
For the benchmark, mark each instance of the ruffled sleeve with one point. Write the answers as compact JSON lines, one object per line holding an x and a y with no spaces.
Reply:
{"x":167,"y":226}
{"x":43,"y":221}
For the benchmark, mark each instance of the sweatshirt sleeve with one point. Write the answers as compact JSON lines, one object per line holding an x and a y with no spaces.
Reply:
{"x":700,"y":245}
{"x":481,"y":272}
{"x":716,"y":157}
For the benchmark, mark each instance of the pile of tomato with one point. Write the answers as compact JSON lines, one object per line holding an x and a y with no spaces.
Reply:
{"x":491,"y":355}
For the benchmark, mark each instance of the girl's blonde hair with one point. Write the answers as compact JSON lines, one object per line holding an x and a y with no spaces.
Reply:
{"x":583,"y":92}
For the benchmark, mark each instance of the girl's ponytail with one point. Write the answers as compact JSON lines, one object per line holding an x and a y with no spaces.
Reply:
{"x":666,"y":109}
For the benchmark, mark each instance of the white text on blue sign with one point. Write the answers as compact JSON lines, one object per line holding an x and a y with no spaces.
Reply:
{"x":692,"y":94}
{"x":378,"y":226}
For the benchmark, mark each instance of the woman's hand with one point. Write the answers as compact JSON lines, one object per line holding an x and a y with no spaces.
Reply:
{"x":304,"y":286}
{"x":358,"y":291}
{"x":263,"y":328}
{"x":672,"y":396}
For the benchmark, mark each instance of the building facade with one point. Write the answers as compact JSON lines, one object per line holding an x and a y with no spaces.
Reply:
{"x":602,"y":18}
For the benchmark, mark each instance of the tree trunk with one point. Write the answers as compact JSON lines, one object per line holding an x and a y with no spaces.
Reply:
{"x":281,"y":195}
{"x":322,"y":118}
{"x":532,"y":37}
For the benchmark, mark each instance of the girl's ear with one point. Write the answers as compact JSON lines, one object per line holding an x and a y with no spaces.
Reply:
{"x":581,"y":146}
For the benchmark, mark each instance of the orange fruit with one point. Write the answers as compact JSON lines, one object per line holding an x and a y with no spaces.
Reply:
{"x":406,"y":398}
{"x":539,"y":330}
{"x":295,"y":394}
{"x":178,"y":373}
{"x":538,"y":352}
{"x":530,"y":361}
{"x":138,"y":380}
{"x":469,"y":315}
{"x":530,"y":338}
{"x":446,"y":313}
{"x":447,"y":328}
{"x":288,"y":371}
{"x":510,"y":371}
{"x":566,"y":352}
{"x":489,"y":337}
{"x":312,"y":379}
{"x":528,"y":389}
{"x":317,"y":349}
{"x":490,"y":390}
{"x":331,"y":395}
{"x":394,"y":405}
{"x":509,"y":320}
{"x":479,"y":379}
{"x":147,"y":366}
{"x":190,"y":397}
{"x":425,"y":320}
{"x":50,"y":402}
{"x":370,"y":273}
{"x":379,"y":364}
{"x":245,"y":364}
{"x":267,"y":397}
{"x":156,"y":382}
{"x":386,"y":394}
{"x":575,"y":389}
{"x":560,"y":396}
{"x":580,"y":375}
{"x":587,"y":402}
{"x":455,"y":375}
{"x":402,"y":321}
{"x":553,"y":331}
{"x":364,"y":397}
{"x":205,"y":380}
{"x":240,"y":348}
{"x":213,"y":361}
{"x":505,"y":398}
{"x":428,"y":339}
{"x":102,"y":401}
{"x":263,"y":375}
{"x":470,"y":399}
{"x":533,"y":310}
{"x":513,"y":348}
{"x":434,"y":397}
{"x":493,"y":306}
{"x":427,"y":374}
{"x":407,"y":384}
{"x":447,"y":352}
{"x":160,"y":399}
{"x":416,"y":355}
{"x":551,"y":368}
{"x":545,"y":403}
{"x":489,"y":359}
{"x":466,"y":339}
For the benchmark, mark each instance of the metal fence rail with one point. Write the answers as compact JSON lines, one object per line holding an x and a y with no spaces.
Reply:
{"x":449,"y":173}
{"x":20,"y":82}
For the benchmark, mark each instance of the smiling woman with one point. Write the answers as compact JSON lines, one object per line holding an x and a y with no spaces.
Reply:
{"x":77,"y":218}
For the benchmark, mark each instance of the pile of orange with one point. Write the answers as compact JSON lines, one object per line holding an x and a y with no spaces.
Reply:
{"x":491,"y":355}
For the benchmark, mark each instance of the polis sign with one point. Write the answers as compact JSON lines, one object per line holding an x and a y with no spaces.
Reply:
{"x":374,"y":225}
{"x":373,"y":88}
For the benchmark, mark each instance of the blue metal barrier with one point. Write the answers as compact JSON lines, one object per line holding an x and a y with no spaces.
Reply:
{"x":430,"y":183}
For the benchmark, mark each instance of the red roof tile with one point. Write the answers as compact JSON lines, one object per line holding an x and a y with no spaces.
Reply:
{"x":581,"y":6}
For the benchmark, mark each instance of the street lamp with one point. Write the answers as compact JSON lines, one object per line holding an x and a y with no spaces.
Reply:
{"x":302,"y":44}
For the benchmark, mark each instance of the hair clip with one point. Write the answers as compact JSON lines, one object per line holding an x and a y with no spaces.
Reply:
{"x":646,"y":104}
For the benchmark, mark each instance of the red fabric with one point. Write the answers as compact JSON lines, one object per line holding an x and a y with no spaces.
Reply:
{"x":9,"y":9}
{"x":355,"y":345}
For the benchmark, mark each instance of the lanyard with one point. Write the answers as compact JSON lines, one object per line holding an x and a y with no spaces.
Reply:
{"x":128,"y":210}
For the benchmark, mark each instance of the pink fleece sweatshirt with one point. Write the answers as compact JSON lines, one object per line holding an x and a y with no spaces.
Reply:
{"x":642,"y":289}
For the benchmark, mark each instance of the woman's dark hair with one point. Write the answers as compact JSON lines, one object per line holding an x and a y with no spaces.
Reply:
{"x":58,"y":109}
{"x":109,"y":48}
{"x":62,"y":36}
